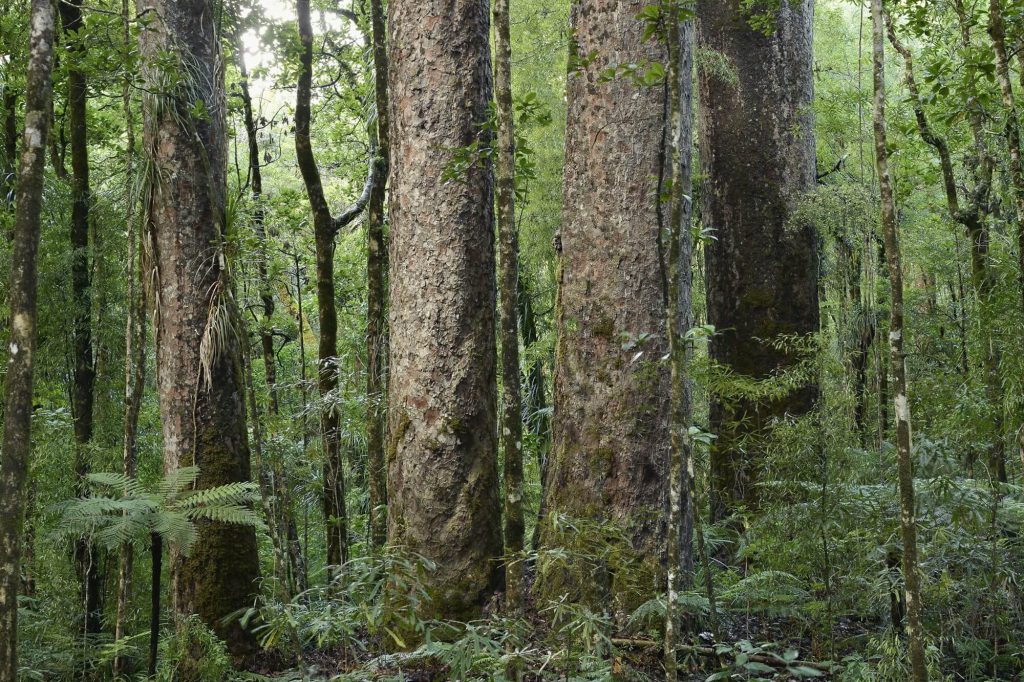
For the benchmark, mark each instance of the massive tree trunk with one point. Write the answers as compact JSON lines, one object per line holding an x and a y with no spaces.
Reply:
{"x":758,"y":160}
{"x":22,"y":295}
{"x":87,"y":565}
{"x":198,"y":329}
{"x":508,"y":237}
{"x":908,"y":518}
{"x":376,"y":293}
{"x":610,"y":440}
{"x":442,"y":435}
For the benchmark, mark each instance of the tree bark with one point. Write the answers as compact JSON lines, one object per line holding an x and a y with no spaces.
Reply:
{"x":199,"y":367}
{"x":87,"y":565}
{"x":610,"y":438}
{"x":997,"y":31}
{"x":758,"y":159}
{"x":14,"y":457}
{"x":376,"y":293}
{"x":908,"y":518}
{"x":508,"y":284}
{"x":443,"y":498}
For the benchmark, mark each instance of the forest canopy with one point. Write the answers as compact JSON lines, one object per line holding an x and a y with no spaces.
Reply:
{"x":511,"y":340}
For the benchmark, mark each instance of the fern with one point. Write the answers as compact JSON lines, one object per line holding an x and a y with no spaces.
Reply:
{"x":170,"y":509}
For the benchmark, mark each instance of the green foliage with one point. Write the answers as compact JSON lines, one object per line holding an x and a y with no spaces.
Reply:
{"x":193,"y":641}
{"x":170,"y":509}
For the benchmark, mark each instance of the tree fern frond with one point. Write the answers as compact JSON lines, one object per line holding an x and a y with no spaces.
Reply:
{"x":226,"y":513}
{"x":177,"y":481}
{"x":238,"y":493}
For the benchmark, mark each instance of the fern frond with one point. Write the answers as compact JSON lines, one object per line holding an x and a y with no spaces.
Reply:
{"x":225,"y":513}
{"x":238,"y":493}
{"x":177,"y":481}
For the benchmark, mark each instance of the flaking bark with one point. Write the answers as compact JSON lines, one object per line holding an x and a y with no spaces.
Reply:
{"x":199,"y":368}
{"x":610,"y":438}
{"x":442,"y":427}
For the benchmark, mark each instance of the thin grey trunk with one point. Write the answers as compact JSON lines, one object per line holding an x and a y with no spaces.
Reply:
{"x":135,"y":341}
{"x":14,"y":459}
{"x":508,"y":286}
{"x":679,"y":320}
{"x":908,"y":518}
{"x":376,"y":294}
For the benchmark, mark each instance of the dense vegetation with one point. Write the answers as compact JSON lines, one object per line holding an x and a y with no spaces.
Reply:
{"x":512,"y":340}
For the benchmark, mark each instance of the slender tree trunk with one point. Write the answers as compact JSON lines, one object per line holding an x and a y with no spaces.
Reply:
{"x":997,"y":31}
{"x":156,"y":551}
{"x":908,"y":518}
{"x":972,"y":215}
{"x":443,"y":500}
{"x":135,"y":343}
{"x":273,"y":475}
{"x":84,"y":372}
{"x":10,"y":146}
{"x":325,"y":228}
{"x":376,"y":294}
{"x":758,"y":159}
{"x":278,"y":538}
{"x":508,"y":286}
{"x":536,"y":416}
{"x":14,"y":458}
{"x":303,"y":551}
{"x":258,"y":226}
{"x":610,"y":439}
{"x":198,"y":328}
{"x":679,"y":319}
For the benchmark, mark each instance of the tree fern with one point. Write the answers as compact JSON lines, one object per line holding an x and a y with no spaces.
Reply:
{"x":170,"y":508}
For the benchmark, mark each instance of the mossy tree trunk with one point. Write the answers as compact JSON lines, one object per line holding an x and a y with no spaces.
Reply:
{"x":376,"y":293}
{"x":758,"y":161}
{"x":679,"y":320}
{"x":14,"y":458}
{"x":198,"y":327}
{"x":508,"y":283}
{"x":442,"y":394}
{"x":325,"y":229}
{"x":905,"y":471}
{"x":610,"y":438}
